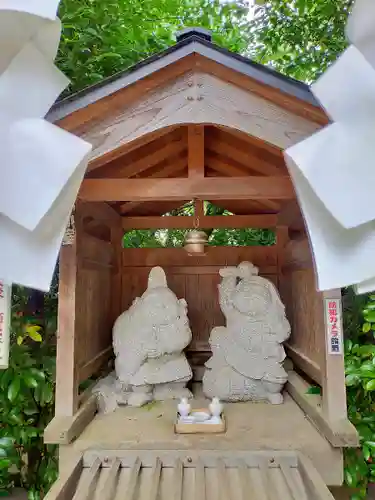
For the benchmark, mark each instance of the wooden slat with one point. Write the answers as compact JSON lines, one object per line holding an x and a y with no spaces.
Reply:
{"x":295,"y":490}
{"x":313,"y":480}
{"x":86,"y":488}
{"x":132,"y":484}
{"x":263,"y":482}
{"x":178,"y":477}
{"x":155,"y":480}
{"x":243,"y":472}
{"x":108,"y":488}
{"x":200,"y":481}
{"x":223,"y":481}
{"x":64,"y":487}
{"x":205,"y":222}
{"x":94,"y":364}
{"x":196,"y":151}
{"x":182,"y":189}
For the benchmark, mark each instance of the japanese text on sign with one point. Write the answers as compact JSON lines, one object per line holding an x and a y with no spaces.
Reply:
{"x":334,"y":326}
{"x":5,"y":304}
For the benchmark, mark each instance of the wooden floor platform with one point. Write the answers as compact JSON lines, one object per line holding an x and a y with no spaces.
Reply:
{"x":250,"y":426}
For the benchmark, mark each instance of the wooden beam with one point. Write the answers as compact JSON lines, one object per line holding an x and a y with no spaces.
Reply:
{"x":196,"y":151}
{"x":340,"y":433}
{"x":62,"y":430}
{"x":181,"y":189}
{"x":310,"y":367}
{"x":205,"y":222}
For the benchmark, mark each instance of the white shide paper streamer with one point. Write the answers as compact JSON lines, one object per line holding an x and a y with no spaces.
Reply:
{"x":333,"y":171}
{"x":42,"y":166}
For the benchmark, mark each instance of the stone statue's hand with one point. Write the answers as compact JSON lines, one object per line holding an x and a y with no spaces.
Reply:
{"x":228,"y":272}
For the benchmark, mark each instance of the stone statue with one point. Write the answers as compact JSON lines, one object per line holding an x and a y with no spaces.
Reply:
{"x":247,"y":353}
{"x":148,"y":342}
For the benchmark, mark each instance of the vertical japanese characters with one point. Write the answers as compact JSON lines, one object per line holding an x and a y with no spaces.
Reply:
{"x":334,"y":326}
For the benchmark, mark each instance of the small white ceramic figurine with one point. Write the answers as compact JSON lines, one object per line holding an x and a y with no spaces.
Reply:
{"x":184,"y":407}
{"x":216,"y":409}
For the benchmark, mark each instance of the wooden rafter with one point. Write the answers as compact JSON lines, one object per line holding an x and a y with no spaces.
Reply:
{"x":225,"y":167}
{"x":243,"y":157}
{"x":128,"y":148}
{"x":205,"y":222}
{"x":249,"y":140}
{"x":130,"y":167}
{"x":171,"y":169}
{"x":182,"y":189}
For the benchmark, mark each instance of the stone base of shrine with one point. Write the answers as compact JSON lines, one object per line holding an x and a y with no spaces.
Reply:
{"x":250,"y":426}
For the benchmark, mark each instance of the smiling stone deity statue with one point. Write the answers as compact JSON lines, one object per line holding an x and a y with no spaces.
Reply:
{"x":148,"y":340}
{"x":247,"y":354}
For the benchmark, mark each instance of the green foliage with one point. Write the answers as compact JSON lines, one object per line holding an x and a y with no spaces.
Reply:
{"x":300,"y":38}
{"x":100,"y":38}
{"x":360,"y":381}
{"x":27,"y":402}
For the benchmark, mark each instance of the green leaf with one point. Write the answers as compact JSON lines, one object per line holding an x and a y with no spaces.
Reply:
{"x":370,"y":316}
{"x":366,"y":452}
{"x":366,"y":327}
{"x":368,"y":369}
{"x":349,"y":478}
{"x":19,"y":340}
{"x":5,"y":463}
{"x":6,"y":442}
{"x":351,"y":380}
{"x":314,"y":390}
{"x":370,"y":386}
{"x":14,"y":389}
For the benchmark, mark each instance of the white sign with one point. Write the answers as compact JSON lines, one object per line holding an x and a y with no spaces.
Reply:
{"x":334,"y":326}
{"x":5,"y":312}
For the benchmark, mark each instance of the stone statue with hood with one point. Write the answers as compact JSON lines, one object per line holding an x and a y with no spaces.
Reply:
{"x":247,"y":353}
{"x":148,"y":341}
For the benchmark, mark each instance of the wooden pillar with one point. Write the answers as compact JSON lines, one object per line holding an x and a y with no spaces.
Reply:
{"x":66,"y":360}
{"x":282,"y":239}
{"x":334,"y":391}
{"x":117,"y":234}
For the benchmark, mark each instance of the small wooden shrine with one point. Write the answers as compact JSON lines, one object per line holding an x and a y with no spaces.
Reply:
{"x":194,"y":123}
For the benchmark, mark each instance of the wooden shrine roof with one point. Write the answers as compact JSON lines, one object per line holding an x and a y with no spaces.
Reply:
{"x":146,"y":160}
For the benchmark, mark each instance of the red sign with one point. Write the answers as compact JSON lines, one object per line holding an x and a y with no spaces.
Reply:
{"x":334,"y":326}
